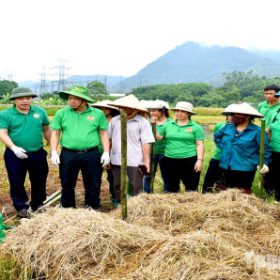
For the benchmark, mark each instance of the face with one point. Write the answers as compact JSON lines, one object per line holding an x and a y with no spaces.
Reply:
{"x":75,"y":102}
{"x":23,"y":103}
{"x":240,"y":118}
{"x":154,"y":113}
{"x":107,"y":112}
{"x":130,"y":113}
{"x":182,"y":115}
{"x":269,"y":95}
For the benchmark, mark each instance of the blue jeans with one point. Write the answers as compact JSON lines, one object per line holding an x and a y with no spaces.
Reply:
{"x":158,"y":161}
{"x":37,"y":167}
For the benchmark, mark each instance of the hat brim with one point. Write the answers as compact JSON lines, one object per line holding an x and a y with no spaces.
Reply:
{"x":130,"y":107}
{"x":277,"y":94}
{"x":64,"y":95}
{"x":19,"y":95}
{"x":182,"y":109}
{"x":104,"y":106}
{"x":244,"y":113}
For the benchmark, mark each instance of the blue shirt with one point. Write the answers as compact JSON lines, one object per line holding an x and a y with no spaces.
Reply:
{"x":240,"y":150}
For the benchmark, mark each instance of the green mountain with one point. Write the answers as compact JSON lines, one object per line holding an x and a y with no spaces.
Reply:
{"x":193,"y":62}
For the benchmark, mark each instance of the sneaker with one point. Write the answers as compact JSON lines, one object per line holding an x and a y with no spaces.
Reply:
{"x":22,"y":213}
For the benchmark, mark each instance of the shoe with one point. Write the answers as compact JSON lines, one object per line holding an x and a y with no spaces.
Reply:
{"x":22,"y":213}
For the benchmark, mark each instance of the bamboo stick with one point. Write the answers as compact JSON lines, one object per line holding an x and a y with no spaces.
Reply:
{"x":153,"y":155}
{"x":53,"y":195}
{"x":123,"y":165}
{"x":261,"y":159}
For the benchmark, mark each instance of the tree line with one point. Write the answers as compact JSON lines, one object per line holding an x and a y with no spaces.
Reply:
{"x":238,"y":86}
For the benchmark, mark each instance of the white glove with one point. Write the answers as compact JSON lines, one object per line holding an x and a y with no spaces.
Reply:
{"x":264,"y":169}
{"x":19,"y":152}
{"x":55,"y":158}
{"x":105,"y":159}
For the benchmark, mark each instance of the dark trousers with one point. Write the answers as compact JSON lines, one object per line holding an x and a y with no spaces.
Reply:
{"x":271,"y":179}
{"x":135,"y":180}
{"x":110,"y":179}
{"x":37,"y":167}
{"x":158,"y":161}
{"x":70,"y":165}
{"x":177,"y":169}
{"x":239,"y":179}
{"x":212,"y":176}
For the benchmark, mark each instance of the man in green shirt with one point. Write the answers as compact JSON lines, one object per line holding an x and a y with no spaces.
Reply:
{"x":21,"y":129}
{"x":266,"y":108}
{"x":80,"y":128}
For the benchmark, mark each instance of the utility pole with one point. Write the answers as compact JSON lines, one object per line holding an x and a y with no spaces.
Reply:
{"x":43,"y":83}
{"x":61,"y":75}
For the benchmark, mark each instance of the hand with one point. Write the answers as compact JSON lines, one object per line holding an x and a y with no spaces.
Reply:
{"x":153,"y":120}
{"x":105,"y":159}
{"x":55,"y":158}
{"x":264,"y":169}
{"x":198,"y":165}
{"x":19,"y":152}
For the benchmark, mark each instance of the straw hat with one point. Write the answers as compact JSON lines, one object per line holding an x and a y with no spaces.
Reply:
{"x":243,"y":108}
{"x":184,"y":106}
{"x":129,"y":101}
{"x":104,"y":104}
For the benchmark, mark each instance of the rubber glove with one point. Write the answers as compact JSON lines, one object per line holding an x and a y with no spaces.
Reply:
{"x":55,"y":158}
{"x":264,"y":169}
{"x":19,"y":152}
{"x":105,"y":159}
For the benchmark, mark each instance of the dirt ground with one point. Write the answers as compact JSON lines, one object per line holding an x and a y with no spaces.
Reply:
{"x":53,"y":184}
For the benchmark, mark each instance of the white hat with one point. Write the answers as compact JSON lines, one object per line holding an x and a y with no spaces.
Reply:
{"x":243,"y":108}
{"x":129,"y":101}
{"x":104,"y":104}
{"x":155,"y":104}
{"x":184,"y":106}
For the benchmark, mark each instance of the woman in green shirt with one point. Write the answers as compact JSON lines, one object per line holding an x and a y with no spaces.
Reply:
{"x":184,"y":149}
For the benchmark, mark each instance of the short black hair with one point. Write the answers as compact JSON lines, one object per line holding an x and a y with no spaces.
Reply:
{"x":272,"y":87}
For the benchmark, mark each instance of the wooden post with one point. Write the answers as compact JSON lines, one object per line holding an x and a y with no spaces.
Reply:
{"x":153,"y":155}
{"x":123,"y":165}
{"x":261,"y":153}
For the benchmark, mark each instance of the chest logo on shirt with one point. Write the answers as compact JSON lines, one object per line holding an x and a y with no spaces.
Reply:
{"x":36,"y":116}
{"x":188,"y":129}
{"x":90,"y":118}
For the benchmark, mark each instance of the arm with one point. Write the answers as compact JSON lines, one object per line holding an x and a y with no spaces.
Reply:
{"x":200,"y":155}
{"x":5,"y":138}
{"x":54,"y":140}
{"x":47,"y":133}
{"x":104,"y":140}
{"x":146,"y":155}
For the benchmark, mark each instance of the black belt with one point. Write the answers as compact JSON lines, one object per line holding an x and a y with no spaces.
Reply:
{"x":80,"y":151}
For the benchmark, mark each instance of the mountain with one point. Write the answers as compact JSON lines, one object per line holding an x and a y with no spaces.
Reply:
{"x":193,"y":62}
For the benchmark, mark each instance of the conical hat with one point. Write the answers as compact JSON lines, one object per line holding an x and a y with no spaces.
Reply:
{"x":243,"y":108}
{"x":104,"y":104}
{"x":129,"y":101}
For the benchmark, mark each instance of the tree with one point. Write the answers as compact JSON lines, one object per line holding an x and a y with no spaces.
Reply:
{"x":7,"y":87}
{"x":97,"y":90}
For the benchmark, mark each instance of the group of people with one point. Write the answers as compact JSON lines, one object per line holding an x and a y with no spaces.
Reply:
{"x":86,"y":136}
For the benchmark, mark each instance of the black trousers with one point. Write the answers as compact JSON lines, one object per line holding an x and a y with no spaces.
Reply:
{"x":70,"y":165}
{"x":239,"y":179}
{"x":177,"y":169}
{"x":271,"y":179}
{"x":37,"y":167}
{"x":213,"y":175}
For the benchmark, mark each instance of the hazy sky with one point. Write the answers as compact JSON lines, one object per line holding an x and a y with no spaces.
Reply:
{"x":119,"y":37}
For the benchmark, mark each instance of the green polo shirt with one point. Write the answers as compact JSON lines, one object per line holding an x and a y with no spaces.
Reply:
{"x":181,"y":140}
{"x":266,"y":110}
{"x":80,"y":130}
{"x":217,"y":151}
{"x":160,"y":145}
{"x":25,"y":130}
{"x":274,"y":127}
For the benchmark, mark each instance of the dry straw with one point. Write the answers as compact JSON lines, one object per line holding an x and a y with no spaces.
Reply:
{"x":166,"y":236}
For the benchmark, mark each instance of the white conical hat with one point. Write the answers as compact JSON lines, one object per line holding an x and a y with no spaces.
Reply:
{"x":243,"y":108}
{"x":129,"y":101}
{"x":104,"y":104}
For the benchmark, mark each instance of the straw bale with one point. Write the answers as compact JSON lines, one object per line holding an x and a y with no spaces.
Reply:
{"x":79,"y":244}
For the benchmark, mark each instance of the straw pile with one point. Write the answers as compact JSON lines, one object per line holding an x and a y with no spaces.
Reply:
{"x":181,"y":236}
